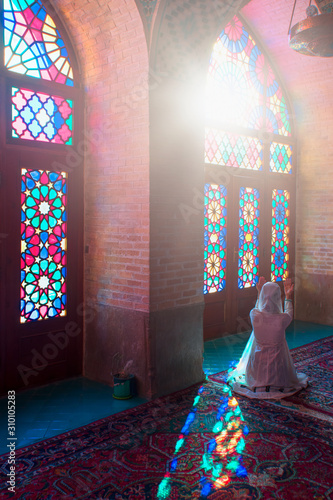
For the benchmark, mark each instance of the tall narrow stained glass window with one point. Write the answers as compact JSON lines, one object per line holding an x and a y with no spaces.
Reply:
{"x":215,"y":238}
{"x":248,"y":260}
{"x":33,"y":45}
{"x":43,"y":244}
{"x":280,"y":235}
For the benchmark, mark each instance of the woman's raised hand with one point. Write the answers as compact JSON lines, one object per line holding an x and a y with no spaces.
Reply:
{"x":260,"y":283}
{"x":288,"y":288}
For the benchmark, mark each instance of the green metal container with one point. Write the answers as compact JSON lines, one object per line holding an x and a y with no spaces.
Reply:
{"x":123,"y":388}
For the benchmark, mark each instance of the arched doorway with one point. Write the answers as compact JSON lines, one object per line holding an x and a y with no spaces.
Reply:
{"x":41,"y":203}
{"x":250,"y":180}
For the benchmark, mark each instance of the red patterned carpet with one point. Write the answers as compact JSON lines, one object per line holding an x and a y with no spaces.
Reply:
{"x":198,"y":443}
{"x":316,"y":360}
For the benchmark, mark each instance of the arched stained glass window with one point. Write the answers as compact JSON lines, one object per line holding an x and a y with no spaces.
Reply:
{"x":248,"y":134}
{"x":41,"y":194}
{"x":33,"y":45}
{"x":43,"y":245}
{"x":236,"y":79}
{"x":245,"y":102}
{"x":39,"y":78}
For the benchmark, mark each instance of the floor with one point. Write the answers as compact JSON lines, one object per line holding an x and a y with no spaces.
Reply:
{"x":53,"y":409}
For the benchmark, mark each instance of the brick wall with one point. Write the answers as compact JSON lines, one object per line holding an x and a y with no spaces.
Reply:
{"x":112,"y":51}
{"x":111,"y":47}
{"x":315,"y":198}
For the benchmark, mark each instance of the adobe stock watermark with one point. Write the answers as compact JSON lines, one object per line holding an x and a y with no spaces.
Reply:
{"x":120,"y":110}
{"x":196,"y":207}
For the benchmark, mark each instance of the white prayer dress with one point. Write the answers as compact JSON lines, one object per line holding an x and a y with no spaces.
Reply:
{"x":266,"y":369}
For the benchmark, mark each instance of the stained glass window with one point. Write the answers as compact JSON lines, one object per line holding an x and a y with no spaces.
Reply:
{"x":248,"y":255}
{"x":247,"y":127}
{"x":277,"y":114}
{"x":33,"y":45}
{"x":233,"y":150}
{"x":43,"y":244}
{"x":281,"y":158}
{"x":280,"y":234}
{"x":236,"y":78}
{"x":41,"y":117}
{"x":242,"y":92}
{"x":215,"y":238}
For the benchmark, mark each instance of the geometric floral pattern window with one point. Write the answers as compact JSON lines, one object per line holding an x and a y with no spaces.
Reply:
{"x":248,"y":130}
{"x":243,"y":92}
{"x":33,"y":45}
{"x":233,"y":150}
{"x":281,"y":158}
{"x":43,"y":245}
{"x":280,"y":234}
{"x":41,"y":117}
{"x":35,"y":51}
{"x":215,"y":238}
{"x":248,"y":254}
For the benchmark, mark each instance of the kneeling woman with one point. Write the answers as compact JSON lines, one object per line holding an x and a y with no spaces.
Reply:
{"x":266,"y":369}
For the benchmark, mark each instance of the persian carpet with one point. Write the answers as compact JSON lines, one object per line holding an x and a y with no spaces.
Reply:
{"x":200,"y":442}
{"x":316,"y":360}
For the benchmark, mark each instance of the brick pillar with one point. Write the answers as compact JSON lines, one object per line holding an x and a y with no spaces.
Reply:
{"x":176,"y":233}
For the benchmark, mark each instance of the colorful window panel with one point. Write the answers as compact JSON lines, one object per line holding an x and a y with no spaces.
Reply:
{"x":248,"y":255}
{"x":232,"y":150}
{"x":281,"y":158}
{"x":280,"y":235}
{"x":41,"y":117}
{"x":32,"y":43}
{"x":236,"y":78}
{"x":43,"y":245}
{"x":277,"y":114}
{"x":215,"y":238}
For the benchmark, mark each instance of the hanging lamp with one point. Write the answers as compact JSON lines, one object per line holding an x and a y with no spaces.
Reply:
{"x":314,"y":35}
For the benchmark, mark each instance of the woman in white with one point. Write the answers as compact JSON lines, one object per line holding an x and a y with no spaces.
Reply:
{"x":266,"y":369}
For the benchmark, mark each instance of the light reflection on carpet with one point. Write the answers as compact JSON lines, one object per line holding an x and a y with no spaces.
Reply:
{"x":223,"y":456}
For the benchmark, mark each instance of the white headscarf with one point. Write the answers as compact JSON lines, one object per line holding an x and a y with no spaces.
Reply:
{"x":270,"y":299}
